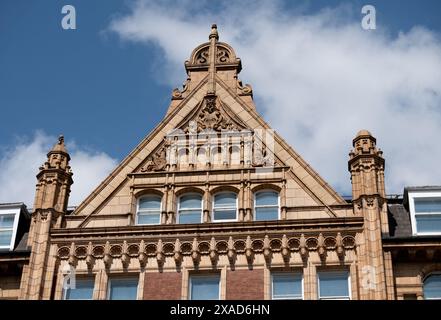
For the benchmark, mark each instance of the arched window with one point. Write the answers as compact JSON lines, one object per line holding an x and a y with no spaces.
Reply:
{"x":225,"y":207}
{"x":266,"y":205}
{"x":149,"y":210}
{"x":190,"y":208}
{"x":432,"y":287}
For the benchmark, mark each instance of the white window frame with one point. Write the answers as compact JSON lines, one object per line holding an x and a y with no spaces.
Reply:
{"x":15,"y":211}
{"x":266,"y":206}
{"x":286,"y":273}
{"x":109,"y":284}
{"x":204,"y":276}
{"x":146,"y":211}
{"x":224,"y":208}
{"x":431,"y":274}
{"x":178,"y":216}
{"x":335,"y":297}
{"x":414,"y":195}
{"x":93,"y":290}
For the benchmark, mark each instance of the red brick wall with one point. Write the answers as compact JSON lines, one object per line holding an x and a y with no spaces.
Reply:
{"x":245,"y":285}
{"x":162,"y":286}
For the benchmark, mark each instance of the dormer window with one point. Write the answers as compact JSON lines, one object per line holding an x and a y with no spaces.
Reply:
{"x":425,"y":209}
{"x":9,"y":218}
{"x":6,"y":230}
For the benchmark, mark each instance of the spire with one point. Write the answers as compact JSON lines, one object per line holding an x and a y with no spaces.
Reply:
{"x":213,"y":37}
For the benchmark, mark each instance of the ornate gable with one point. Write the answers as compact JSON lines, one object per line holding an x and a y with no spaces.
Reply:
{"x":211,"y":137}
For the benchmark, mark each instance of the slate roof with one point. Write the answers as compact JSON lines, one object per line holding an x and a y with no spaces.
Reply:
{"x":399,"y":221}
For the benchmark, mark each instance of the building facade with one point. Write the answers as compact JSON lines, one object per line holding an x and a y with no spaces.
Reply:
{"x":214,"y":204}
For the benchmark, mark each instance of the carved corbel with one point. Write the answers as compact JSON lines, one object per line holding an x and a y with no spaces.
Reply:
{"x":90,"y":260}
{"x":160,"y":257}
{"x":303,"y":248}
{"x":267,"y":253}
{"x":249,"y":250}
{"x":321,"y":247}
{"x":213,"y":251}
{"x":177,"y":253}
{"x":125,"y":258}
{"x":339,"y":246}
{"x":142,"y":255}
{"x":286,"y":253}
{"x":107,"y":256}
{"x":231,"y":253}
{"x":195,"y":254}
{"x":72,"y":257}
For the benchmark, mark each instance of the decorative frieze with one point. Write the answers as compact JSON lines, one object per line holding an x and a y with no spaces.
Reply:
{"x":213,"y":248}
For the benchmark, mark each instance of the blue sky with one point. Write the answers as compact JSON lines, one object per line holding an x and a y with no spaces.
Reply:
{"x":105,"y":92}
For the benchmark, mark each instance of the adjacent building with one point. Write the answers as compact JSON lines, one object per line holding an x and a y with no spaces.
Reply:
{"x":214,"y":204}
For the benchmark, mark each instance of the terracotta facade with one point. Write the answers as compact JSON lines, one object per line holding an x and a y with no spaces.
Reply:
{"x":212,"y":140}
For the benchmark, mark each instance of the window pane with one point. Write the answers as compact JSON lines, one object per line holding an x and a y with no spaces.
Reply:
{"x":83,"y":290}
{"x":191,"y":216}
{"x":6,"y":220}
{"x":205,"y":287}
{"x":123,"y":289}
{"x":192,"y":201}
{"x":333,"y":284}
{"x":287,"y":286}
{"x":428,"y":223}
{"x":149,"y":218}
{"x":225,"y":214}
{"x":150,"y":202}
{"x":427,"y":205}
{"x":267,"y":214}
{"x":267,"y":198}
{"x":5,"y":237}
{"x":225,"y":200}
{"x":432,"y":287}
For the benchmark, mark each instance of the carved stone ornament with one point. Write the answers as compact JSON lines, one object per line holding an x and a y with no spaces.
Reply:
{"x":211,"y":118}
{"x":156,"y":162}
{"x":177,"y":94}
{"x":211,"y":248}
{"x":244,"y":89}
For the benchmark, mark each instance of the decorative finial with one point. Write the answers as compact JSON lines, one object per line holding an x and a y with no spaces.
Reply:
{"x":213,"y":32}
{"x":59,"y":146}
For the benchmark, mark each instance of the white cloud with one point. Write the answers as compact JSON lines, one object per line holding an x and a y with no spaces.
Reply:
{"x":19,"y":166}
{"x":317,"y":79}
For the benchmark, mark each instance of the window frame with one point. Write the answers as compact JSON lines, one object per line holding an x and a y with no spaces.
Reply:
{"x":287,"y":273}
{"x":225,"y":208}
{"x":349,"y":297}
{"x":178,"y":216}
{"x":92,"y":279}
{"x":413,"y":214}
{"x":15,"y":211}
{"x":266,"y":206}
{"x":109,"y":285}
{"x":427,"y":277}
{"x":143,"y":212}
{"x":191,"y":276}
